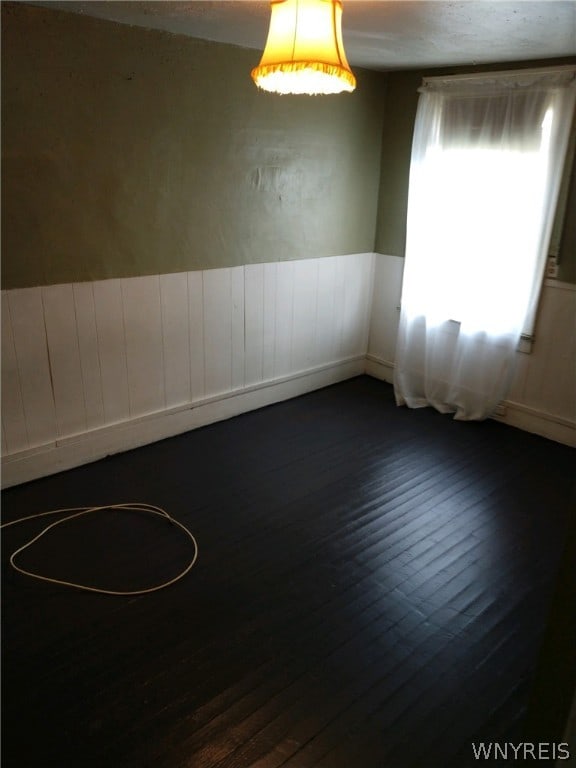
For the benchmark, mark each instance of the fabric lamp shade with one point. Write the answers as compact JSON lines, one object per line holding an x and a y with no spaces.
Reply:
{"x":304,"y":51}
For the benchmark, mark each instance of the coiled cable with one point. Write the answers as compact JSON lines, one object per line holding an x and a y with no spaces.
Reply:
{"x":79,"y":512}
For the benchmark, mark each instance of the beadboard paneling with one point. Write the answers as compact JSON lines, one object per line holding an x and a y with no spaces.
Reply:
{"x":284,"y":317}
{"x":237,"y":322}
{"x":65,"y":363}
{"x":82,"y":357}
{"x":269,"y":322}
{"x":254,"y":323}
{"x":195,"y":320}
{"x":144,"y":344}
{"x":545,"y":379}
{"x":387,"y":290}
{"x":89,"y":351}
{"x":34,"y":374}
{"x":217,"y":331}
{"x":175,"y":338}
{"x":304,"y":315}
{"x":13,"y":417}
{"x":109,"y":313}
{"x":327,"y":312}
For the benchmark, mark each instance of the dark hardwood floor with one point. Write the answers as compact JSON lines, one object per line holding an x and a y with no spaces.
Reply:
{"x":376,"y":588}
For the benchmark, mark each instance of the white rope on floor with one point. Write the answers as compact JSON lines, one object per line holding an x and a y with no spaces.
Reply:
{"x":79,"y":512}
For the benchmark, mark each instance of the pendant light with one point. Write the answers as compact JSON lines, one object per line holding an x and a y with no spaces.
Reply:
{"x":304,"y":52}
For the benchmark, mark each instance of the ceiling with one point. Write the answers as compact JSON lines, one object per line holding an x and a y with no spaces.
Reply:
{"x":383,"y":35}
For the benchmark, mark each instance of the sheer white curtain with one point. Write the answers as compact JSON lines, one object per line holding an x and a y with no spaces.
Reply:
{"x":487,"y":160}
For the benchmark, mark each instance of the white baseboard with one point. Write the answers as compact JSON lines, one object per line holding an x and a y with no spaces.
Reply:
{"x":538,"y":422}
{"x":379,"y":368}
{"x":75,"y":450}
{"x":90,"y":446}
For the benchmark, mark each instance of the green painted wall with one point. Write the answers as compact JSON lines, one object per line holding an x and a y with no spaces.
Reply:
{"x":400,"y":114}
{"x":130,"y":152}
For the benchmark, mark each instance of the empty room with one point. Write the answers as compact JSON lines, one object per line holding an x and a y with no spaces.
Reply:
{"x":288,"y":384}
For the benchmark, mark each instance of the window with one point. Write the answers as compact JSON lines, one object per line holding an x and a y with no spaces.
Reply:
{"x":487,"y":161}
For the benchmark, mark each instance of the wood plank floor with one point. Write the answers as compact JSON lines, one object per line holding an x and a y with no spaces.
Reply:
{"x":374,"y":588}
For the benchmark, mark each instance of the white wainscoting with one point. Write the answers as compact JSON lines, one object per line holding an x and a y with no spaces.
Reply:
{"x":543,"y":395}
{"x":91,"y":369}
{"x":385,"y":316}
